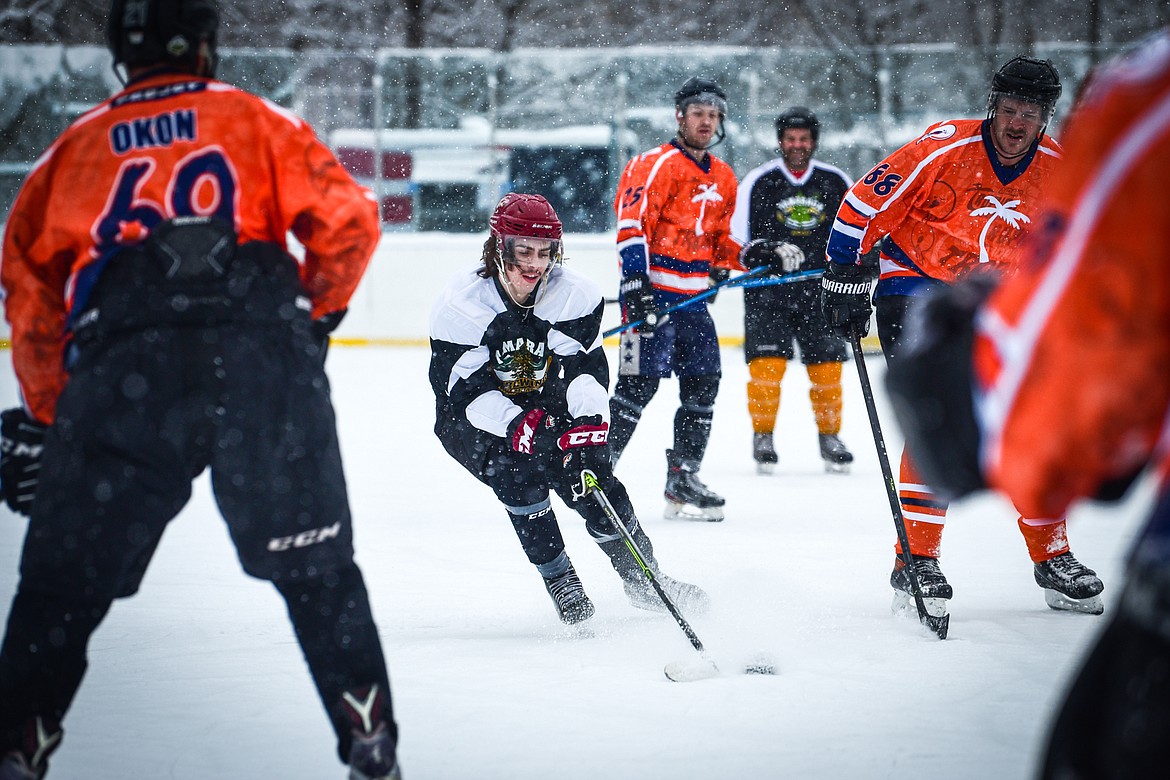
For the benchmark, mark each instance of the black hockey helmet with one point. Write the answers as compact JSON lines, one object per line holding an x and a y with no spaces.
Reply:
{"x":1028,"y":79}
{"x":704,"y":91}
{"x":799,"y":117}
{"x":152,"y":32}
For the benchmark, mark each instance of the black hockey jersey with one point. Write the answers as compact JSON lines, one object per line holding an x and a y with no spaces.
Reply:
{"x":773,"y":203}
{"x":492,"y":360}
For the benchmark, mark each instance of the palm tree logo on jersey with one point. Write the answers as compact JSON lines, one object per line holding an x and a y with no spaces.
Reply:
{"x":997,"y":210}
{"x":707,"y":193}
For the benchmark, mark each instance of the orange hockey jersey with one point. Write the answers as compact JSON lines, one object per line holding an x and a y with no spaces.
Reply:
{"x":674,"y":220}
{"x":942,"y":205}
{"x":171,"y":145}
{"x":1072,"y":355}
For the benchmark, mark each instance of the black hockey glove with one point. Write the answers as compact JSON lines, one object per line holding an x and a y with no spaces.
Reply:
{"x":534,"y":432}
{"x":638,"y":303}
{"x":929,"y":381}
{"x":586,"y":446}
{"x":845,"y":299}
{"x":779,"y":256}
{"x":323,"y":326}
{"x":21,"y":444}
{"x":717,"y":276}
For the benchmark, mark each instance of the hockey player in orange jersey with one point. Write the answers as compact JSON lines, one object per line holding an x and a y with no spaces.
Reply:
{"x":674,"y":205}
{"x":956,"y":201}
{"x":1067,"y":361}
{"x":161,"y":328}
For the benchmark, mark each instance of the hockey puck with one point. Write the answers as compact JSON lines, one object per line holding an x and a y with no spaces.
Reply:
{"x":760,"y":663}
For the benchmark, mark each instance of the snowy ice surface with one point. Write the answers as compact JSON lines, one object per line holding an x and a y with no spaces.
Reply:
{"x":198,"y":676}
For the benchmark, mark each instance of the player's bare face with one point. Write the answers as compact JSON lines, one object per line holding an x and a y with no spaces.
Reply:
{"x":526,"y":261}
{"x":697,"y":126}
{"x":1014,"y":127}
{"x":796,"y":146}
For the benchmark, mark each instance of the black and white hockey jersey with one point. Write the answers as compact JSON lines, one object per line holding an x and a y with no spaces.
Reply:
{"x":492,"y":360}
{"x":775,"y":204}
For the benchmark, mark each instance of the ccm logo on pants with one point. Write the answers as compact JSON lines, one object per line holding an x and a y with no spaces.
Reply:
{"x":304,"y":538}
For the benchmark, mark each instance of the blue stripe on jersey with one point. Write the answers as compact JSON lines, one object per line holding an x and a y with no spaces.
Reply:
{"x":634,"y":260}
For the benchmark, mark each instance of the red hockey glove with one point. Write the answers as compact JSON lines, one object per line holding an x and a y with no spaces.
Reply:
{"x":534,"y":432}
{"x":586,"y":446}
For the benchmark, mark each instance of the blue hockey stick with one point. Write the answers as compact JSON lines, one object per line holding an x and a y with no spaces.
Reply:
{"x":752,"y":278}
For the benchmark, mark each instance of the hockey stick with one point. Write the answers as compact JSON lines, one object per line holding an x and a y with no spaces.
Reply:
{"x":675,"y":671}
{"x":589,"y":486}
{"x":712,"y":290}
{"x":743,"y":281}
{"x":937,"y":624}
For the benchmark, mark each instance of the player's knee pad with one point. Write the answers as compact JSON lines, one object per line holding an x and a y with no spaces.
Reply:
{"x":824,"y":374}
{"x":634,"y":392}
{"x":698,"y":392}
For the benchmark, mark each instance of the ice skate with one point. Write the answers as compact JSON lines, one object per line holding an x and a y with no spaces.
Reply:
{"x":936,"y":591}
{"x":1070,"y":585}
{"x":372,"y":753}
{"x":764,"y":453}
{"x":835,"y":454}
{"x":689,"y":599}
{"x":568,"y":595}
{"x":39,"y":737}
{"x":686,"y":497}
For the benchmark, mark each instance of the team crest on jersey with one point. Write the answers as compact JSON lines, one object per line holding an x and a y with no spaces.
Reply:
{"x":800,"y":213}
{"x":708,"y":193}
{"x":1001,"y":212}
{"x":940,"y":133}
{"x":521,"y":365}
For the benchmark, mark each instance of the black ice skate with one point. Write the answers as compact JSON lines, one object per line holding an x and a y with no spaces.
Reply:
{"x":689,"y":599}
{"x":30,"y":760}
{"x":686,"y":497}
{"x":936,"y":591}
{"x":1070,"y":585}
{"x":835,"y":454}
{"x":372,"y":753}
{"x":764,"y":453}
{"x":568,"y":595}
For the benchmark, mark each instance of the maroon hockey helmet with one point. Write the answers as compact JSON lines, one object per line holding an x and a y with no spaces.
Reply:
{"x":522,"y":215}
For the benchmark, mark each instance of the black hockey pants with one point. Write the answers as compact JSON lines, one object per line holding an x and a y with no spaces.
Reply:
{"x":147,"y":408}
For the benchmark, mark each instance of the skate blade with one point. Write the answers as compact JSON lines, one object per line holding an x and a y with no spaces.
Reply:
{"x":904,"y":605}
{"x":1093,"y":605}
{"x":765,"y":468}
{"x":837,"y":468}
{"x":677,"y":511}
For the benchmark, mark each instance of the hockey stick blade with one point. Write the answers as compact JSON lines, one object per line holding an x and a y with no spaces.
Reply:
{"x":696,"y":669}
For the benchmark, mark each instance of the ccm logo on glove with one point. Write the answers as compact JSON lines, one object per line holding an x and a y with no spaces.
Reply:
{"x":584,"y":436}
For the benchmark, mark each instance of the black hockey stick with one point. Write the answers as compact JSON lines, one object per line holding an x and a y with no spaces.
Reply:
{"x":937,"y":624}
{"x":712,"y":290}
{"x":589,"y":486}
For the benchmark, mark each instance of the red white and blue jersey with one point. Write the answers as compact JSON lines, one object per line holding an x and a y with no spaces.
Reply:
{"x":674,"y":220}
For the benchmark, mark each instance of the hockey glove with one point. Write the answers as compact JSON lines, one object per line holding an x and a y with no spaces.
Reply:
{"x":845,"y":299}
{"x":323,"y":326}
{"x":586,"y":446}
{"x":638,"y":303}
{"x":780,"y":257}
{"x":930,"y":383}
{"x":21,"y":444}
{"x":717,"y":276}
{"x":534,"y":432}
